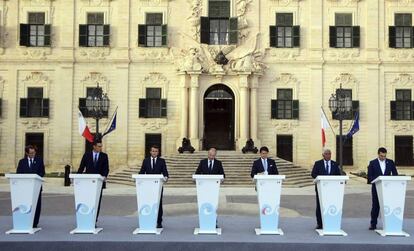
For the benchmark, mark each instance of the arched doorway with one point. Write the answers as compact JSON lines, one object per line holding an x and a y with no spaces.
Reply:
{"x":219,"y":118}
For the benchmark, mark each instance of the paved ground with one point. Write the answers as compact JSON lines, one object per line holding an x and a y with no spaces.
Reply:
{"x":120,"y":200}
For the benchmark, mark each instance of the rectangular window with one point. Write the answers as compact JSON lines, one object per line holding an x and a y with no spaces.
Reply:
{"x":219,"y":8}
{"x":95,"y":33}
{"x":403,"y":104}
{"x":343,"y":34}
{"x":343,"y":23}
{"x":153,"y":102}
{"x":90,"y":92}
{"x":219,"y":31}
{"x":39,"y":35}
{"x":154,"y":29}
{"x":403,"y":30}
{"x":284,"y":34}
{"x":35,"y":97}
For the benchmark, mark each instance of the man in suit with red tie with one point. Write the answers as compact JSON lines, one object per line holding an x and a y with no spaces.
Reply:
{"x":264,"y":165}
{"x":155,"y":165}
{"x":325,"y":166}
{"x":96,"y":162}
{"x":33,"y":164}
{"x":380,"y":166}
{"x":211,"y":165}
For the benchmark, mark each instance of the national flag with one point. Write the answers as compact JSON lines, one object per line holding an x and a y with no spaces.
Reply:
{"x":355,"y":126}
{"x":324,"y":126}
{"x":83,"y":128}
{"x":112,"y":124}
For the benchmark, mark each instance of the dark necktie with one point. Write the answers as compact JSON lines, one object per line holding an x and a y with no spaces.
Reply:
{"x":31,"y":163}
{"x":327,"y":168}
{"x":153,"y":163}
{"x":210,"y":167}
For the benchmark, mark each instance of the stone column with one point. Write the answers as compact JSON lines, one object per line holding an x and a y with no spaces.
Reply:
{"x":244,"y":110}
{"x":183,"y":109}
{"x":253,"y":110}
{"x":194,"y":101}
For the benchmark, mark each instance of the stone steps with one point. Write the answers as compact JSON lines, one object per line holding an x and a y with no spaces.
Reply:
{"x":236,"y":165}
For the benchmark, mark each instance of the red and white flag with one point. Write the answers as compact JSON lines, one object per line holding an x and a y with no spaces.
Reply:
{"x":83,"y":128}
{"x":324,"y":126}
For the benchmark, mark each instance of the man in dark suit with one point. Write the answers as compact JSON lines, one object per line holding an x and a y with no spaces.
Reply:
{"x":380,"y":166}
{"x":264,"y":165}
{"x":155,"y":165}
{"x":325,"y":166}
{"x":96,"y":162}
{"x":211,"y":165}
{"x":33,"y":164}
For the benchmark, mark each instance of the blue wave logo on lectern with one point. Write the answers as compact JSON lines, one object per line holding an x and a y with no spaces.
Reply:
{"x":148,"y":217}
{"x":332,"y":218}
{"x":269,"y":218}
{"x":22,"y":217}
{"x":207,"y":216}
{"x":393,"y":219}
{"x":85,"y":217}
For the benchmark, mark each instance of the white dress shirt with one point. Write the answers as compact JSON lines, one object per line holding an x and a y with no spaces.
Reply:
{"x":382,"y":165}
{"x":152,"y":161}
{"x":30,"y":159}
{"x":212,"y":163}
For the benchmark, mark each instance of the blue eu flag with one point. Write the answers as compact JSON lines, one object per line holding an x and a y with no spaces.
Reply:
{"x":355,"y":127}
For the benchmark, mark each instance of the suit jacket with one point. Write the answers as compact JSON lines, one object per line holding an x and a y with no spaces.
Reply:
{"x":319,"y":169}
{"x":259,"y":168}
{"x":38,"y":166}
{"x":374,"y":169}
{"x":160,"y":167}
{"x":101,"y":167}
{"x":216,"y":170}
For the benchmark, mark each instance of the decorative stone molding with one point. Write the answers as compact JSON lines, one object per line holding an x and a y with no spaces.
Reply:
{"x":347,"y":81}
{"x":243,"y":25}
{"x":154,"y":124}
{"x":36,"y":53}
{"x":401,"y":55}
{"x":39,"y":2}
{"x":35,"y":123}
{"x":285,"y":126}
{"x":343,"y":54}
{"x":402,"y":126}
{"x":287,"y":80}
{"x":154,"y":55}
{"x":345,"y":2}
{"x":282,"y":53}
{"x":286,"y":2}
{"x":95,"y":53}
{"x":401,"y":2}
{"x":155,"y":79}
{"x":196,"y":8}
{"x":93,"y":79}
{"x":97,"y":2}
{"x":404,"y":79}
{"x":2,"y":82}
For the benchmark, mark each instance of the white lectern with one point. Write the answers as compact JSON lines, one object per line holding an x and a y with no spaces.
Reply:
{"x":331,"y":196}
{"x":268,"y":191}
{"x":208,"y":187}
{"x":391,"y":196}
{"x":24,"y":189}
{"x":149,"y":187}
{"x":87,"y":192}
